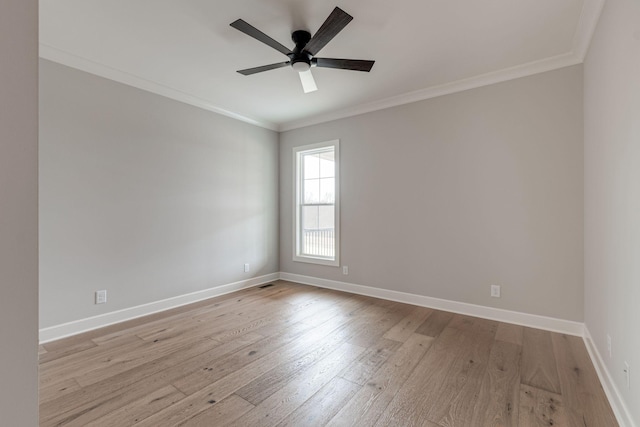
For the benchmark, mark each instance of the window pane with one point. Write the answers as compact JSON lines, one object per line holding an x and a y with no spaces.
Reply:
{"x":326,"y":217}
{"x":318,"y":231}
{"x":327,"y":190}
{"x":310,"y":217}
{"x":311,"y":166}
{"x":327,"y":164}
{"x":311,"y":191}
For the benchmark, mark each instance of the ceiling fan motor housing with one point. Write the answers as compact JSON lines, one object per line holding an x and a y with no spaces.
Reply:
{"x":300,"y":58}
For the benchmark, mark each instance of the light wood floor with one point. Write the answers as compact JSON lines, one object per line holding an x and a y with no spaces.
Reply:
{"x":294,"y":355}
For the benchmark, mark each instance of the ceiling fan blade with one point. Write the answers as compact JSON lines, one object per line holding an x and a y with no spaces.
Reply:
{"x":254,"y":70}
{"x":308,"y":82}
{"x":252,"y":31}
{"x":344,"y":64}
{"x":332,"y":26}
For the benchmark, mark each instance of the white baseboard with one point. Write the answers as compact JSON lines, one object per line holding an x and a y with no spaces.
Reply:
{"x":613,"y":393}
{"x":83,"y":325}
{"x":540,"y":322}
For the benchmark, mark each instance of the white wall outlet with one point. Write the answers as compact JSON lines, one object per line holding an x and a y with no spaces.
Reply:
{"x":495,"y":291}
{"x":246,"y":267}
{"x":627,"y":374}
{"x":609,"y":345}
{"x":101,"y":297}
{"x":345,"y":269}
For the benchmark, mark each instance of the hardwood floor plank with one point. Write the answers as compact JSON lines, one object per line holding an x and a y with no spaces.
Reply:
{"x":456,"y":391}
{"x":381,"y":320}
{"x":265,"y":376}
{"x":182,"y":411}
{"x":407,"y":326}
{"x":85,"y":354}
{"x":582,"y":393}
{"x":362,"y":369}
{"x":185,"y":325}
{"x":371,"y":400}
{"x":499,"y":396}
{"x":138,"y":381}
{"x":270,"y":351}
{"x":285,"y":365}
{"x":217,"y":391}
{"x":220,"y":414}
{"x":279,"y":405}
{"x":138,"y":356}
{"x":345,"y":305}
{"x":311,"y":293}
{"x":276,"y":318}
{"x":227,"y":385}
{"x":279,"y":309}
{"x":285,"y":368}
{"x":444,"y":384}
{"x":58,"y":389}
{"x":80,"y":363}
{"x":341,"y":307}
{"x":510,"y":333}
{"x":538,"y":367}
{"x":474,"y":325}
{"x":51,"y":355}
{"x":435,"y":323}
{"x":136,"y":410}
{"x":323,"y":405}
{"x":540,"y":408}
{"x":220,"y":319}
{"x":80,"y":339}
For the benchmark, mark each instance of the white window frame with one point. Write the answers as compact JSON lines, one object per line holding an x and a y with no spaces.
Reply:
{"x":297,"y":188}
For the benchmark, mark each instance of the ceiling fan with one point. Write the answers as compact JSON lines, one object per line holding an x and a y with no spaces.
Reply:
{"x":303,"y":56}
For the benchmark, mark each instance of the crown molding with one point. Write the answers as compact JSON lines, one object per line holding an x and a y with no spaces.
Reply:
{"x":516,"y":72}
{"x":65,"y":58}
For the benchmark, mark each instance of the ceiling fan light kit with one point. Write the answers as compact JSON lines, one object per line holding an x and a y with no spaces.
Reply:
{"x":302,"y":57}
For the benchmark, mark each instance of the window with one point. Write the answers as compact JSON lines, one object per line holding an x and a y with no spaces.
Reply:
{"x":316,"y":214}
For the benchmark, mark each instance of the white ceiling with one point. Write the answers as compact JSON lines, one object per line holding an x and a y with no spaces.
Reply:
{"x":186,"y":50}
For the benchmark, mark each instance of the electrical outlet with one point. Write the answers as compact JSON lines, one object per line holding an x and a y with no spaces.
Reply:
{"x":246,"y":268}
{"x":495,"y":291}
{"x":609,"y":344}
{"x":101,"y":297}
{"x":345,"y":270}
{"x":627,"y":374}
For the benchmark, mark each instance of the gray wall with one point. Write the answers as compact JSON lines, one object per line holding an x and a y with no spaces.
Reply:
{"x":146,"y":197}
{"x":612,"y":192}
{"x":19,"y":213}
{"x":447,"y":196}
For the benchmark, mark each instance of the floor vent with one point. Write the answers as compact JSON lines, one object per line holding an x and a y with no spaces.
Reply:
{"x":266,"y":286}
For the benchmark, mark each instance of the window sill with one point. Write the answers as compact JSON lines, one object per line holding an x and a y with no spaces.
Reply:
{"x":319,"y":261}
